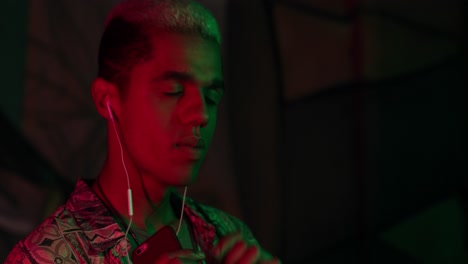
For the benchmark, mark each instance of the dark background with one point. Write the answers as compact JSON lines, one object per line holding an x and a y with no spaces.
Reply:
{"x":341,"y":138}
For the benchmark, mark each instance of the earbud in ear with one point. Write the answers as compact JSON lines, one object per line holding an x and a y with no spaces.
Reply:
{"x":109,"y":109}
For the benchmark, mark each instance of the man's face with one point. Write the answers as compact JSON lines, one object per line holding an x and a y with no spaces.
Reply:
{"x":168,"y":113}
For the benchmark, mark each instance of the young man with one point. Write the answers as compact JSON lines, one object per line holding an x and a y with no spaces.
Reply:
{"x":159,"y":86}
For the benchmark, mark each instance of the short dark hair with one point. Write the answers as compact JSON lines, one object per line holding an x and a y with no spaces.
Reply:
{"x":123,"y":46}
{"x":126,"y":40}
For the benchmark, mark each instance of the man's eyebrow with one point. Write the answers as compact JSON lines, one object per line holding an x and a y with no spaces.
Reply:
{"x":173,"y":75}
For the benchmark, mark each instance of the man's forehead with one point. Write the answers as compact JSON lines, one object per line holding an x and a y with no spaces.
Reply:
{"x":180,"y":38}
{"x":180,"y":48}
{"x":183,"y":57}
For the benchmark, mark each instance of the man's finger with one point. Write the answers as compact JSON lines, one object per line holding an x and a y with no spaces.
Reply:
{"x":236,"y":252}
{"x":225,"y":244}
{"x":252,"y":254}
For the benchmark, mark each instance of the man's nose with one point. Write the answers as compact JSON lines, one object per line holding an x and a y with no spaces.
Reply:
{"x":193,"y":111}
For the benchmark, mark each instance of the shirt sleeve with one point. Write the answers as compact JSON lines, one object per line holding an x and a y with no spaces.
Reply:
{"x":18,"y":255}
{"x":226,"y":224}
{"x":46,"y":244}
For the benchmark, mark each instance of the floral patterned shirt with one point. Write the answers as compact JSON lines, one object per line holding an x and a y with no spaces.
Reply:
{"x":83,"y":230}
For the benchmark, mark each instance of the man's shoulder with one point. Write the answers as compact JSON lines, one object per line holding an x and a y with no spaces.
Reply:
{"x":49,"y":228}
{"x":39,"y":240}
{"x":216,"y":215}
{"x":223,"y":222}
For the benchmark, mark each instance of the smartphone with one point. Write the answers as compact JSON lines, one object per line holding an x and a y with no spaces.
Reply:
{"x":164,"y":240}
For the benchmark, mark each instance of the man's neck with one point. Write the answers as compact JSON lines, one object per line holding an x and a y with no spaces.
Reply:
{"x":152,"y":207}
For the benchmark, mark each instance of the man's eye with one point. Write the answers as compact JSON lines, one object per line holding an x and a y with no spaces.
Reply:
{"x":213,"y":98}
{"x":171,"y":88}
{"x":174,"y":93}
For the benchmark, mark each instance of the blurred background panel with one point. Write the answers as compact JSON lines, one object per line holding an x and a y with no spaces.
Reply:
{"x":363,"y":122}
{"x":341,"y":137}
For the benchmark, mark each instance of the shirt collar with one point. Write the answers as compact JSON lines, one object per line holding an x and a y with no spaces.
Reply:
{"x":94,"y":219}
{"x":103,"y":232}
{"x":205,"y":232}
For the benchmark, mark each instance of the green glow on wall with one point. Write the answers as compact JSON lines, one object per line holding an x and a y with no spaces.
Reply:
{"x":433,"y":236}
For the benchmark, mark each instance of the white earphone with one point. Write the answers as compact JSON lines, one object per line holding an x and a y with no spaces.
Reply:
{"x":129,"y":190}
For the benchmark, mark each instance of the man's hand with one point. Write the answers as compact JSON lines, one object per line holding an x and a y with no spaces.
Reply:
{"x":181,"y":257}
{"x":233,"y":249}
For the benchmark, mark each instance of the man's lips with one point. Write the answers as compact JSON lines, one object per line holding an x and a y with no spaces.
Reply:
{"x":191,"y":141}
{"x":191,"y":147}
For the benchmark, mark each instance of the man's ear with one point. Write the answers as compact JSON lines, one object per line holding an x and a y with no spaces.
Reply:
{"x":104,"y":92}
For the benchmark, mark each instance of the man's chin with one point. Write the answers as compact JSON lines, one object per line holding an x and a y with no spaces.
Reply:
{"x":183,"y":180}
{"x":181,"y":176}
{"x":189,"y":180}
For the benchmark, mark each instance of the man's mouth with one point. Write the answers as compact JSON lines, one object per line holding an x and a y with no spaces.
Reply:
{"x":192,"y":147}
{"x":191,"y":141}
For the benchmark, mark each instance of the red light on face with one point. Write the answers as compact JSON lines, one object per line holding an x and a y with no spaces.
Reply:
{"x":168,"y":115}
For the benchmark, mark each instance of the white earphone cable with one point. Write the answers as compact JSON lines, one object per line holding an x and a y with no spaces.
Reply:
{"x":129,"y":190}
{"x":182,"y":210}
